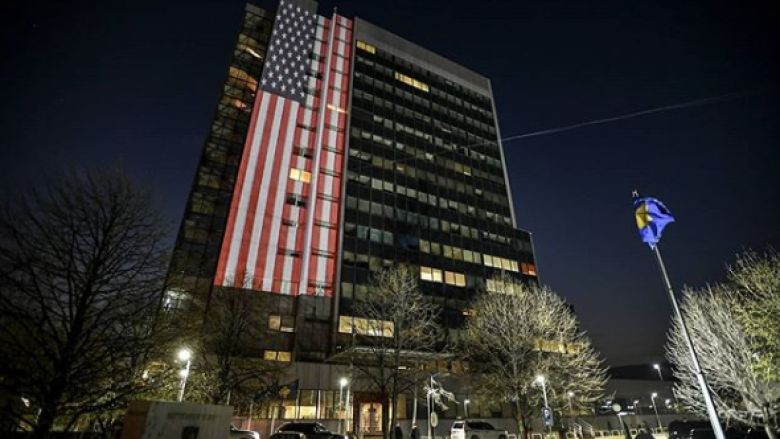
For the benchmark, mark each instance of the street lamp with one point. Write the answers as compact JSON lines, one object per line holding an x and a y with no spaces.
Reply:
{"x":184,"y":355}
{"x":571,"y":410}
{"x":636,"y":407}
{"x":657,"y":367}
{"x":466,"y":403}
{"x":655,"y":409}
{"x":541,"y":380}
{"x":342,"y":382}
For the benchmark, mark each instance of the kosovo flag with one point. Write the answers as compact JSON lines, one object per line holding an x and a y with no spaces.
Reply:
{"x":651,"y":218}
{"x":289,"y":390}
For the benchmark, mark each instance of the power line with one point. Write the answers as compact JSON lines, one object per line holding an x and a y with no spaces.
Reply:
{"x":679,"y":106}
{"x":694,"y":103}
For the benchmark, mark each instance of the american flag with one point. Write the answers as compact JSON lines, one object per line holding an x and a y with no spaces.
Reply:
{"x":291,"y":43}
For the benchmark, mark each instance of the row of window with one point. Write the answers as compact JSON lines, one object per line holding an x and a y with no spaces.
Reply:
{"x":367,"y":47}
{"x":413,"y":82}
{"x":432,"y":200}
{"x":425,"y":221}
{"x":411,"y":171}
{"x":450,"y":164}
{"x":484,"y":109}
{"x":468,"y":136}
{"x":431,"y":274}
{"x":475,"y":257}
{"x":363,"y":326}
{"x":367,"y":233}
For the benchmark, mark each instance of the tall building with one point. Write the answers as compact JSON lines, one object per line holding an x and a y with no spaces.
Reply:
{"x":339,"y":148}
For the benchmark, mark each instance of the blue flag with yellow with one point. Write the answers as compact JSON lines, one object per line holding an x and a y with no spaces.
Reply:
{"x":651,"y":218}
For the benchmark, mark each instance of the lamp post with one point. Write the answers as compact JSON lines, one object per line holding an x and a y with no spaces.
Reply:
{"x":571,"y":410}
{"x":541,"y":380}
{"x":655,"y":409}
{"x":657,"y":367}
{"x":466,"y":403}
{"x":637,"y":407}
{"x":342,"y":382}
{"x":184,"y":355}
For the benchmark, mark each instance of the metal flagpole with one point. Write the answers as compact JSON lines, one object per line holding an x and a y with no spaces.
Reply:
{"x":705,"y":390}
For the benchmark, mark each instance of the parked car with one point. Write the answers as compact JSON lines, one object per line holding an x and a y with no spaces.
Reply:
{"x":287,"y":435}
{"x":243,"y":434}
{"x":476,"y":430}
{"x":312,"y":430}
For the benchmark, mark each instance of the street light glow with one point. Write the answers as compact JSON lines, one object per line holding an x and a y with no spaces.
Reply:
{"x":184,"y":354}
{"x":343,"y":382}
{"x":656,"y":366}
{"x":467,"y":401}
{"x":654,"y":395}
{"x":571,"y":394}
{"x":540,"y":379}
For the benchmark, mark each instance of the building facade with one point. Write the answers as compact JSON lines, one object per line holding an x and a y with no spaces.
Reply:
{"x":339,"y":148}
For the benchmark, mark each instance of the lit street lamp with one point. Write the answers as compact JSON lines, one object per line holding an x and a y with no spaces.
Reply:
{"x":636,"y":407}
{"x":657,"y":367}
{"x":571,"y":410}
{"x":655,"y":409}
{"x":342,"y":382}
{"x":541,"y":380}
{"x":466,"y":403}
{"x":184,"y":355}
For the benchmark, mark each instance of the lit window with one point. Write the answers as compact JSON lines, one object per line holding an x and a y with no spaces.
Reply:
{"x":300,"y":175}
{"x":413,"y":82}
{"x":426,"y":273}
{"x":367,"y":47}
{"x":449,"y":278}
{"x":284,"y":356}
{"x":281,"y":323}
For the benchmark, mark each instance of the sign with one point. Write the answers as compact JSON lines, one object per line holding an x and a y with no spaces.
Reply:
{"x":176,"y":420}
{"x":547,"y":416}
{"x":434,"y":419}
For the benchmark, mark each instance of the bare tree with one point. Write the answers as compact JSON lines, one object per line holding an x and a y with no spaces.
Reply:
{"x":401,"y":325}
{"x":728,"y":358}
{"x":81,"y":268}
{"x":233,"y":330}
{"x":518,"y":332}
{"x":755,"y":282}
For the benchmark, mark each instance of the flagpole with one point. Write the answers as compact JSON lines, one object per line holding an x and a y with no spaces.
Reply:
{"x":705,"y":390}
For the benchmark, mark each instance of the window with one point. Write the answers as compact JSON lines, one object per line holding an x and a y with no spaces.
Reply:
{"x":430,"y":274}
{"x":300,"y":175}
{"x":413,"y":82}
{"x":303,"y":152}
{"x":284,"y":356}
{"x":281,"y":323}
{"x":296,"y":200}
{"x":367,"y":47}
{"x":290,"y":252}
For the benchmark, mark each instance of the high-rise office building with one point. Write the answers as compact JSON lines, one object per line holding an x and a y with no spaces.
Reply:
{"x":339,"y":148}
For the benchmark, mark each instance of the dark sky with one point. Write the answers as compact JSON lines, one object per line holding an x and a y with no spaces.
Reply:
{"x":136,"y":81}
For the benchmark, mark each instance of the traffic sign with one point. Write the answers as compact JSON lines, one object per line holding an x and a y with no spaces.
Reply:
{"x":547,"y":415}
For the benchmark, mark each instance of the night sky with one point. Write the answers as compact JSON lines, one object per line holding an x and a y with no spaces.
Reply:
{"x":136,"y":82}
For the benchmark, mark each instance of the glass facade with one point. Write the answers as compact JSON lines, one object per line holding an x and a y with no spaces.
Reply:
{"x":425,"y":186}
{"x":200,"y":236}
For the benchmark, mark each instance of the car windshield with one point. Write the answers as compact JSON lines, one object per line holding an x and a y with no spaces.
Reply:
{"x":480,"y":426}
